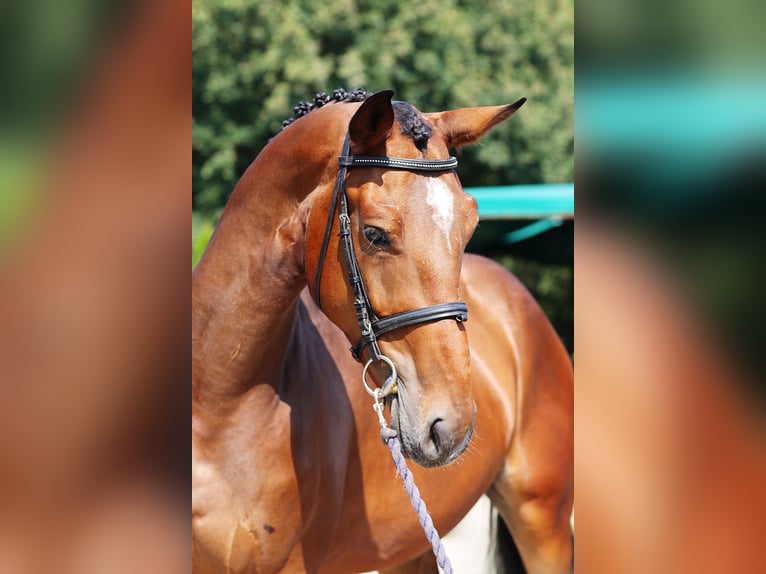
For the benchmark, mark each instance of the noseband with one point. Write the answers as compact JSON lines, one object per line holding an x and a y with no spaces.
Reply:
{"x":370,"y":325}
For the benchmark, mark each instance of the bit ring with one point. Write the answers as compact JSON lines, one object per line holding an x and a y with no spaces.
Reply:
{"x":393,"y":374}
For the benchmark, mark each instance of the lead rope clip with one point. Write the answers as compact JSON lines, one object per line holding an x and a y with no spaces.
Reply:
{"x":378,"y":394}
{"x":378,"y":407}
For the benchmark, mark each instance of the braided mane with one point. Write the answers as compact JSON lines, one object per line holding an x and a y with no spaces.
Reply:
{"x":410,"y":120}
{"x":321,"y":98}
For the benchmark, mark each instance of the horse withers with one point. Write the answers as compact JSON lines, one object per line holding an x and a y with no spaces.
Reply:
{"x":350,"y":227}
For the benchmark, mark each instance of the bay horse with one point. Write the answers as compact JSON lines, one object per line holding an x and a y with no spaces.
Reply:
{"x":289,"y":473}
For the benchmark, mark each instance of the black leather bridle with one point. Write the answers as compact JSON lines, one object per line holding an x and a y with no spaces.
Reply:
{"x":370,"y":325}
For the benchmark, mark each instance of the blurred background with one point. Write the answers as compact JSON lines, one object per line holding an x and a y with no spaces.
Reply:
{"x":95,"y":176}
{"x":671,"y":143}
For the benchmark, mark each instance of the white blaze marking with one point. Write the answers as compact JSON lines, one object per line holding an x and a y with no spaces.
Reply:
{"x":440,"y":199}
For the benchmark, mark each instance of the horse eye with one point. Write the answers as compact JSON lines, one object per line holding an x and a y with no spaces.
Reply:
{"x":376,"y":236}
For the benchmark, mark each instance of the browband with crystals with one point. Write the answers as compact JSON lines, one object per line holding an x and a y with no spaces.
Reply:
{"x":398,"y":163}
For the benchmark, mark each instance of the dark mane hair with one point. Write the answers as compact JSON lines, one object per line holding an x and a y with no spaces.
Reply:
{"x":410,"y":120}
{"x":321,"y":98}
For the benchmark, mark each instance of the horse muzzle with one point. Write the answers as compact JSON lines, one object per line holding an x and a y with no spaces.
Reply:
{"x":440,"y":440}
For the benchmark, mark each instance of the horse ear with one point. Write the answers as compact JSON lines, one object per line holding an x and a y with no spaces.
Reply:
{"x":466,"y":125}
{"x":372,"y":122}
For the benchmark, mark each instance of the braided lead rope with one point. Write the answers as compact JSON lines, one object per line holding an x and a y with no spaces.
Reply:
{"x":418,"y":504}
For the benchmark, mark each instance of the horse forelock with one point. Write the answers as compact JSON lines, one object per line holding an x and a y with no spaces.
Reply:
{"x":413,"y":124}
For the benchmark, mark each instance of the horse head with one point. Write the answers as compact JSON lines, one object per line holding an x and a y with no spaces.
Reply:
{"x":406,"y":228}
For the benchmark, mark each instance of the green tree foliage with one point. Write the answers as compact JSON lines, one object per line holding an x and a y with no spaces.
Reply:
{"x":253,"y":60}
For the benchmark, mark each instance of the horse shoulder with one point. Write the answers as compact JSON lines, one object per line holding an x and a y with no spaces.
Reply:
{"x":533,"y":491}
{"x":509,"y":330}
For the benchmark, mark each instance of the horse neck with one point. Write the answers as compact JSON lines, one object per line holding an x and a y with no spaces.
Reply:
{"x":245,"y":289}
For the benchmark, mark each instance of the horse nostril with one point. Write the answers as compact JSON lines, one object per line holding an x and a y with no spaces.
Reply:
{"x":435,"y":436}
{"x":441,"y":442}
